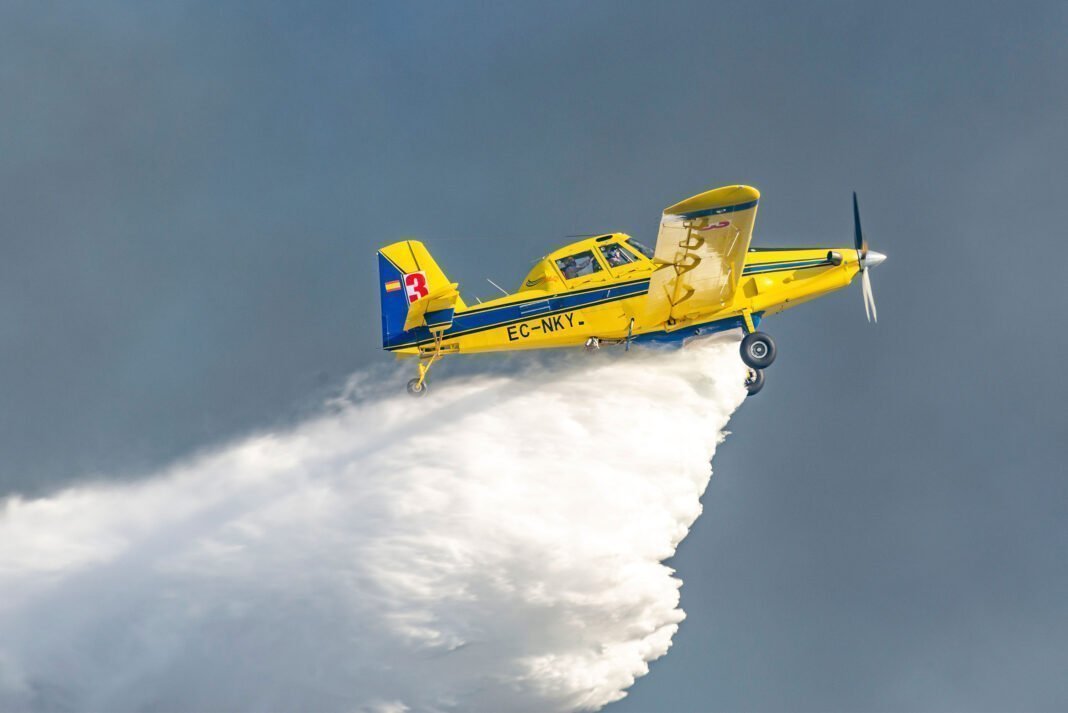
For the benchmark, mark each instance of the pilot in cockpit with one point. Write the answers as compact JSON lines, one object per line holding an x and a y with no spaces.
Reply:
{"x":615,"y":255}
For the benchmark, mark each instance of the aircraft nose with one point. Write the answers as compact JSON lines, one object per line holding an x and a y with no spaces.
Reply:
{"x":872,"y":259}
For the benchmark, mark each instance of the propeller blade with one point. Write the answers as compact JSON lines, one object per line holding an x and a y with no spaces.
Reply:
{"x":864,"y":293}
{"x":863,"y":257}
{"x":858,"y":236}
{"x":869,"y":297}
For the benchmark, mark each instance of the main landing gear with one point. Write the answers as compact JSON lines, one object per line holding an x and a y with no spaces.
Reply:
{"x":758,"y":352}
{"x":754,"y":381}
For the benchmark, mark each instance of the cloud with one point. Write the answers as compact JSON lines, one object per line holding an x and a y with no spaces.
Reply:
{"x":495,"y":545}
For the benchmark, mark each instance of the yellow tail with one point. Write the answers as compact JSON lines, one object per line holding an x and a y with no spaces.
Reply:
{"x":406,"y":273}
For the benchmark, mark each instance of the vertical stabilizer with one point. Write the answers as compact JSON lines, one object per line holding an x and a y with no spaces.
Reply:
{"x":406,"y":273}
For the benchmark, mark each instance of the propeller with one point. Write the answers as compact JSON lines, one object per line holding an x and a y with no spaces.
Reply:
{"x":867,"y":259}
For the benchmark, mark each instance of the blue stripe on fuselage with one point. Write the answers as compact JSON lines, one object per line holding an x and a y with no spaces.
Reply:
{"x":482,"y":319}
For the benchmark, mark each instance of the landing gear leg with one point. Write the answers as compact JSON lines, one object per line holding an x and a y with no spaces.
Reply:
{"x":748,"y":317}
{"x":417,"y":387}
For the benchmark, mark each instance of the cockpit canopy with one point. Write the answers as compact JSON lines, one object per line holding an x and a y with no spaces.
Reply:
{"x":596,"y":259}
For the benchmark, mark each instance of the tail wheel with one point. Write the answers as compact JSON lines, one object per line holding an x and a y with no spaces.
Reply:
{"x":417,"y":389}
{"x":754,"y":382}
{"x":758,"y":350}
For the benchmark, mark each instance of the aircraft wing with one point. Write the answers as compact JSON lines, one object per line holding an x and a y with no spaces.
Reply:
{"x":701,"y":247}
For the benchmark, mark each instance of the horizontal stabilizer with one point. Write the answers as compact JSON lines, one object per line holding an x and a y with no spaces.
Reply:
{"x":434,"y":311}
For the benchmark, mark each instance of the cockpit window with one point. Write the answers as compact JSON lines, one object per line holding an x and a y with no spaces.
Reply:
{"x":616,"y":255}
{"x":578,"y":265}
{"x":642,"y":248}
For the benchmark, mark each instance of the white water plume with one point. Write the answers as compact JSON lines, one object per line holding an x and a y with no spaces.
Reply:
{"x":497,"y":545}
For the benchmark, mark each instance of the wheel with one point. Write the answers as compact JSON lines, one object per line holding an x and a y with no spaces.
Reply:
{"x":755,"y":381}
{"x":758,"y":350}
{"x":416,"y":389}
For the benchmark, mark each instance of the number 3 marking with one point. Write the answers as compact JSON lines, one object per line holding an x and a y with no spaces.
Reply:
{"x":415,"y":286}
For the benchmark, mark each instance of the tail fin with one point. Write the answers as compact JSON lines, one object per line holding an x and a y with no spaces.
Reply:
{"x":406,"y":272}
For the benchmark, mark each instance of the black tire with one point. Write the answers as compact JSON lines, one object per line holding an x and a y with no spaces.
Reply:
{"x":415,"y":389}
{"x":758,"y":350}
{"x":755,"y":382}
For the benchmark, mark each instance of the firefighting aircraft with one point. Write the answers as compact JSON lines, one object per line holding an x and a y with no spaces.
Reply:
{"x":701,"y":277}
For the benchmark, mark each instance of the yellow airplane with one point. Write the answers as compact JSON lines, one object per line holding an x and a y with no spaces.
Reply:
{"x":700,"y":278}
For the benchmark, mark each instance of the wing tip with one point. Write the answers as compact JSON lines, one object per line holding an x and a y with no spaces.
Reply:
{"x":724,"y":197}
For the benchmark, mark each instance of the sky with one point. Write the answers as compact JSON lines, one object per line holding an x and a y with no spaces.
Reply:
{"x":193,"y":193}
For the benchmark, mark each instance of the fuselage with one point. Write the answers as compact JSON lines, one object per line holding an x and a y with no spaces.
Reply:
{"x":597,"y":287}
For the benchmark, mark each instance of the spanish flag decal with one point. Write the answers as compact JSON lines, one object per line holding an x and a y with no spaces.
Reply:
{"x":392,"y":285}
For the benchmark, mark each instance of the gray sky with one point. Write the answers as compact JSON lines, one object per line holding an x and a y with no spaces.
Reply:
{"x":192,"y":196}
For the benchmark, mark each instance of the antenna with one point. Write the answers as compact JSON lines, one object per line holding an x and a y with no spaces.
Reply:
{"x":503,"y":291}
